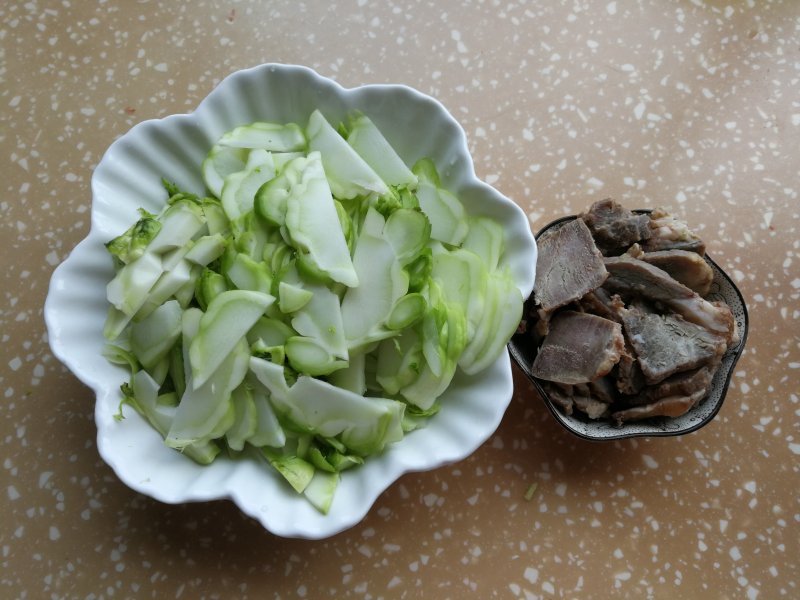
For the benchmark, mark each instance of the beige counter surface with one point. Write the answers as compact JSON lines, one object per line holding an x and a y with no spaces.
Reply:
{"x":694,"y":105}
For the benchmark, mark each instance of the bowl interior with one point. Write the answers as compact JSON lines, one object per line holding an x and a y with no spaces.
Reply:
{"x":523,"y":352}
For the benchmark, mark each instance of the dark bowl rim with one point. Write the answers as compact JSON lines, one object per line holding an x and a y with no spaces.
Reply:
{"x":560,"y":417}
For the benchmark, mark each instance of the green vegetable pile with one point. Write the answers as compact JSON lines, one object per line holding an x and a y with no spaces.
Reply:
{"x":312,"y":309}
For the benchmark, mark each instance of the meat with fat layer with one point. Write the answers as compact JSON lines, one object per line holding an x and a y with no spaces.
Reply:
{"x":673,"y":406}
{"x":578,"y":348}
{"x":684,"y":266}
{"x":634,"y":278}
{"x":669,"y":233}
{"x":569,"y":265}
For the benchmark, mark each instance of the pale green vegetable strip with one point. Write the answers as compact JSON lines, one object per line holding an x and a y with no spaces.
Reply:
{"x":160,"y":415}
{"x":364,"y":425}
{"x":292,"y":298}
{"x":294,"y":469}
{"x":153,"y":337}
{"x":408,"y":231}
{"x":167,"y":286}
{"x":221,"y":162}
{"x":131,"y":245}
{"x":179,"y":224}
{"x":321,"y":319}
{"x":348,"y":173}
{"x":353,"y":376}
{"x":485,"y":239}
{"x":399,"y":361}
{"x":244,"y":423}
{"x":321,"y":489}
{"x":249,"y":274}
{"x":370,"y":144}
{"x":268,"y":136}
{"x":127,"y":292}
{"x":507,"y":316}
{"x":308,"y":355}
{"x":445,"y":212}
{"x":383,"y":282}
{"x":312,"y":221}
{"x":240,"y":188}
{"x":205,"y":411}
{"x":229,"y":317}
{"x":268,"y":431}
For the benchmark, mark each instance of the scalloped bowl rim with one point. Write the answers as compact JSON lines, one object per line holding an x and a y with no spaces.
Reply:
{"x":279,"y":510}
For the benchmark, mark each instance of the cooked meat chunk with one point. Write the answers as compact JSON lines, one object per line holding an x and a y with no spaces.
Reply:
{"x":591,"y":407}
{"x":634,"y":278}
{"x":577,"y":397}
{"x":689,"y":268}
{"x":673,"y":406}
{"x":630,"y":379}
{"x":600,"y":302}
{"x":667,"y":344}
{"x":579,"y":348}
{"x":561,"y":395}
{"x":669,"y":233}
{"x":569,"y":266}
{"x":680,"y":384}
{"x":614,"y":227}
{"x":603,"y":389}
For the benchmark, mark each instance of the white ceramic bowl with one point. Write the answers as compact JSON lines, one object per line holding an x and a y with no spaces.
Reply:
{"x":129,"y":177}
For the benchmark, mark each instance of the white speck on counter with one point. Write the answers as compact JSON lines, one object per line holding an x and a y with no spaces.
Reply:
{"x":649,"y":461}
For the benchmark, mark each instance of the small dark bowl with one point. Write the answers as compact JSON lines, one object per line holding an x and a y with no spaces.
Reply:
{"x":523,"y":352}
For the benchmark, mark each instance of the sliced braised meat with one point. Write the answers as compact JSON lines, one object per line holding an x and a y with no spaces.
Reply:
{"x":614,"y":227}
{"x":577,"y":397}
{"x":673,"y":406}
{"x":560,"y":395}
{"x":569,"y":265}
{"x":680,"y":384}
{"x":669,"y":233}
{"x":591,"y":407}
{"x":603,"y":389}
{"x":630,"y":379}
{"x":600,"y":302}
{"x":667,"y":344}
{"x":689,"y":268}
{"x":579,"y":348}
{"x":634,"y":278}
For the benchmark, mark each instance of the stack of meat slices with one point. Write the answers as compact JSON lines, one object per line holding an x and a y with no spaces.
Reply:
{"x":619,"y":315}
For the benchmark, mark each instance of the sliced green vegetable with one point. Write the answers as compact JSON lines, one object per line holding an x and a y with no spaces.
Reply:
{"x":153,"y":337}
{"x":385,"y":286}
{"x":295,"y":470}
{"x":229,"y":317}
{"x":370,"y":144}
{"x":349,"y":174}
{"x":310,"y":214}
{"x":221,"y":162}
{"x":321,"y":489}
{"x":268,"y":136}
{"x":131,"y":245}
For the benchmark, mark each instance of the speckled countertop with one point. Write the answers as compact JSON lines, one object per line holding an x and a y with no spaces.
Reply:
{"x":690,"y":104}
